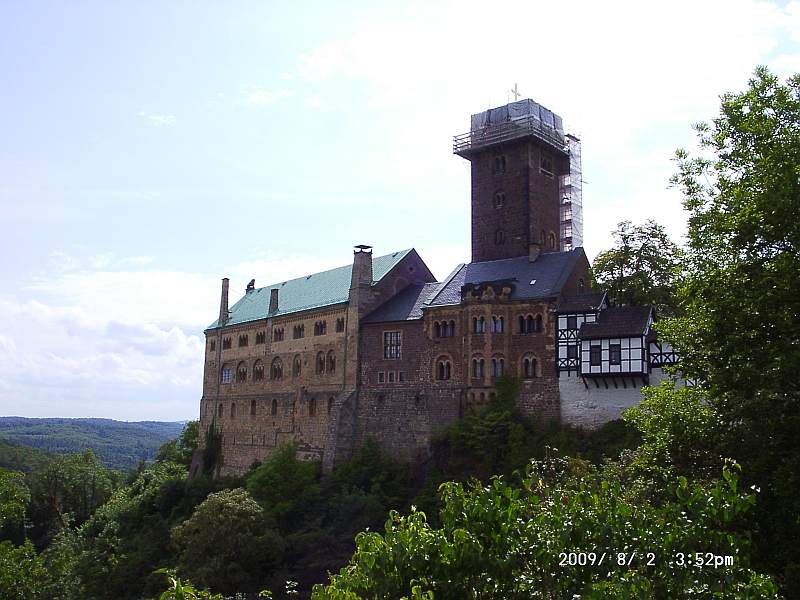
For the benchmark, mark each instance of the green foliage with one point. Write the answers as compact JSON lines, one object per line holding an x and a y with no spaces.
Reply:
{"x":642,"y":267}
{"x":67,"y":490}
{"x":212,"y":450}
{"x":180,"y":590}
{"x":285,"y":485}
{"x":503,"y":541}
{"x":119,"y":445}
{"x":14,"y":499}
{"x":226,"y":544}
{"x":23,"y":575}
{"x":180,"y":450}
{"x":680,"y":435}
{"x":17,"y":457}
{"x":739,"y":333}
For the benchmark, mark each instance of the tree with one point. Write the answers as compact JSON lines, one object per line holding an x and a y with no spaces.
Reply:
{"x":641,"y":268}
{"x":739,"y":333}
{"x":67,"y":490}
{"x":14,"y":499}
{"x":558,"y":535}
{"x":226,"y":544}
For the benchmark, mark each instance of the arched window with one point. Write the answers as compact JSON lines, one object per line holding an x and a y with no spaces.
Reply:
{"x":499,"y":165}
{"x":521,"y":326}
{"x":498,"y":324}
{"x":478,"y":366}
{"x":539,"y":325}
{"x":530,"y":324}
{"x":277,"y":334}
{"x":331,"y":362}
{"x":258,"y":371}
{"x":552,"y":241}
{"x":276,"y":370}
{"x":498,"y":366}
{"x":443,"y":369}
{"x":233,"y":410}
{"x":219,"y":410}
{"x":529,"y":367}
{"x":274,"y":408}
{"x":242,"y":341}
{"x":225,"y":376}
{"x":320,"y":363}
{"x":479,"y":325}
{"x":452,"y":328}
{"x":437,"y":330}
{"x":339,"y":325}
{"x":296,"y":366}
{"x":252,"y":408}
{"x":499,"y":237}
{"x":330,"y":404}
{"x":312,"y":406}
{"x":241,"y":372}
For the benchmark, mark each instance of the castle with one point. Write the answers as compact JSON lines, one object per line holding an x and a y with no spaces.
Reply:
{"x":381,"y":349}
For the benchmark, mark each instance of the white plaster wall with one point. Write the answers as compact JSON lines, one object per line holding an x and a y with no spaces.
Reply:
{"x":590,"y":407}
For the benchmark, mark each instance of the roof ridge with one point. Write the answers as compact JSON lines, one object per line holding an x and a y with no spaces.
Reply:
{"x":281,"y":283}
{"x":444,"y":284}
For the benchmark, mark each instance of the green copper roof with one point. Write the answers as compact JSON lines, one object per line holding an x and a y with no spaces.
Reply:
{"x":304,"y":293}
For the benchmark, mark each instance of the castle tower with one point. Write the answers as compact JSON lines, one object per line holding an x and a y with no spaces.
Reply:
{"x":519,"y":157}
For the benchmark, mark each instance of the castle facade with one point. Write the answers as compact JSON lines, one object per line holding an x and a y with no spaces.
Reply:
{"x":380,"y":348}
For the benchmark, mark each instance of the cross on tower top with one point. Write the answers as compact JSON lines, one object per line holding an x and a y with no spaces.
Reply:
{"x":515,"y":92}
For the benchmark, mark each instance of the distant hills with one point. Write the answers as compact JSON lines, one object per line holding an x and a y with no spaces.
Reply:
{"x":118,"y":444}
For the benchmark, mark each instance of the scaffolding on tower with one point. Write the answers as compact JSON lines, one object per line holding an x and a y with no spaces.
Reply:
{"x":571,"y":198}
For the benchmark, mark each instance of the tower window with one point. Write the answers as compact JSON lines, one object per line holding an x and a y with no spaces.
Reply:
{"x":226,"y":374}
{"x":499,"y":237}
{"x":212,"y":345}
{"x":499,"y":165}
{"x":546,"y":166}
{"x":499,"y":199}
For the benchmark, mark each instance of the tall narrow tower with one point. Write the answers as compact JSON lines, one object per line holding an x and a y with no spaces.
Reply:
{"x":519,"y":158}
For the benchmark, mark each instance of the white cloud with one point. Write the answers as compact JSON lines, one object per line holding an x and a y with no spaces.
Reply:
{"x":157,"y":119}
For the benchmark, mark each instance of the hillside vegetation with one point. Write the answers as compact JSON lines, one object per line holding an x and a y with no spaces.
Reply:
{"x":119,"y":445}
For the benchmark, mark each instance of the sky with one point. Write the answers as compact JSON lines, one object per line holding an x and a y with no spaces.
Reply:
{"x":148,"y":149}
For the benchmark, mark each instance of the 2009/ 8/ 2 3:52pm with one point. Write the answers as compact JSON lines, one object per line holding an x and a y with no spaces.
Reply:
{"x":648,"y":559}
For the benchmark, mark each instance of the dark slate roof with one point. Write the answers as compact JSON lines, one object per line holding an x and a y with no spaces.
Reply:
{"x":304,"y":293}
{"x":405,"y":306}
{"x":581,"y":303}
{"x":543,"y":278}
{"x":618,"y":321}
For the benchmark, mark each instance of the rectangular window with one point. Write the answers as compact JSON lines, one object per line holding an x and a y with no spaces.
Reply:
{"x":339,"y":325}
{"x":226,"y":374}
{"x":401,"y":377}
{"x":226,"y":343}
{"x":392,"y":343}
{"x":572,"y":322}
{"x":546,"y":166}
{"x":595,"y":356}
{"x":212,"y":346}
{"x":391,"y":376}
{"x":615,"y":354}
{"x":572,"y":351}
{"x":381,"y":377}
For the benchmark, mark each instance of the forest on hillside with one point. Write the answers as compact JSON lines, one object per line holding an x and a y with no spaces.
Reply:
{"x":118,"y":445}
{"x":692,"y":494}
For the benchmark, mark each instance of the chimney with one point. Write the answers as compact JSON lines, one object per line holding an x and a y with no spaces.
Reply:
{"x":273,"y":300}
{"x":223,"y":302}
{"x":362,"y":267}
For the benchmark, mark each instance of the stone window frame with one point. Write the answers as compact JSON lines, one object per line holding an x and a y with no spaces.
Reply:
{"x":277,"y":334}
{"x":312,"y":406}
{"x":298,"y":332}
{"x":297,"y":365}
{"x":479,"y":324}
{"x":498,"y":366}
{"x":226,"y":343}
{"x":499,"y":237}
{"x":530,"y":366}
{"x":340,"y":325}
{"x":499,"y":199}
{"x":273,"y":409}
{"x":443,"y":368}
{"x":498,"y":324}
{"x":276,"y":369}
{"x":261,"y":337}
{"x":321,"y":327}
{"x":226,"y":375}
{"x":253,"y":408}
{"x":330,"y":361}
{"x":320,"y":363}
{"x":478,"y":367}
{"x":241,"y":372}
{"x":212,"y":345}
{"x":243,"y":340}
{"x":500,"y":164}
{"x":258,"y":370}
{"x":392,"y":344}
